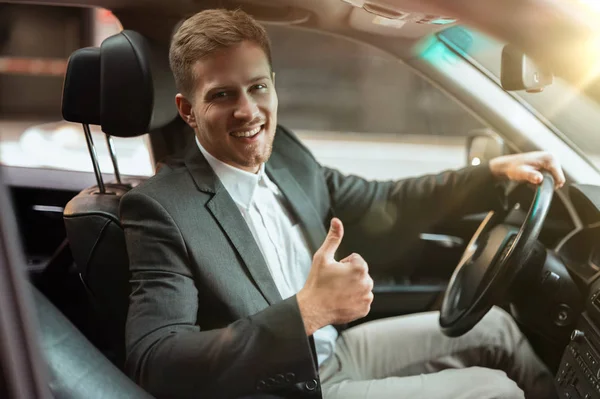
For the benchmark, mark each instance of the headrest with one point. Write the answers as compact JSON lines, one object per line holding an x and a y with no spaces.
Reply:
{"x":81,"y":89}
{"x":126,"y":86}
{"x":137,"y":86}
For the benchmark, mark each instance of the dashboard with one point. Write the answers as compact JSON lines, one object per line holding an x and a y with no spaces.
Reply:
{"x":578,"y":374}
{"x":580,"y":249}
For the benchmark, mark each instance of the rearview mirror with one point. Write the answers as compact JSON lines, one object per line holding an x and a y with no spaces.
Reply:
{"x":483,"y":146}
{"x":519,"y":72}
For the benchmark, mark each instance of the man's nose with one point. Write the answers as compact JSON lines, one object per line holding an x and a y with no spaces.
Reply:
{"x":246,"y":108}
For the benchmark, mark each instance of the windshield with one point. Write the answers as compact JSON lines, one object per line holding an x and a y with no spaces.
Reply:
{"x":575,"y":116}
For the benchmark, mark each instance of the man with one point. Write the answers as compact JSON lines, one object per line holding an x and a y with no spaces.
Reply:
{"x":235,"y":283}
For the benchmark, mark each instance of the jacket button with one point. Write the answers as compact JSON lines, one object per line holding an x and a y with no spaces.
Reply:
{"x":280,"y":379}
{"x":261,"y":385}
{"x":271,"y":382}
{"x":311,"y":385}
{"x":290,"y":377}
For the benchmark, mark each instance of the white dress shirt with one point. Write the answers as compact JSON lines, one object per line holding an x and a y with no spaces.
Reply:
{"x":279,"y":236}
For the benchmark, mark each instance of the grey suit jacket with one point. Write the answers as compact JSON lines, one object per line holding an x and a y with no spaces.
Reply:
{"x":205,"y":317}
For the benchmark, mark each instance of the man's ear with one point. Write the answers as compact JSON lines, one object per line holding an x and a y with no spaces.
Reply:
{"x":184,"y":106}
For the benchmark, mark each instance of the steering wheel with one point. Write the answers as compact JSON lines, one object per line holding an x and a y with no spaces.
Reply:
{"x":490,"y":263}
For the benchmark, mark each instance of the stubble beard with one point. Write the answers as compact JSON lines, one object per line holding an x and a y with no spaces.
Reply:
{"x":258,"y":158}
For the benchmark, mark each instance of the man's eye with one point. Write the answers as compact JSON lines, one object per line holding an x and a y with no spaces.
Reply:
{"x":219,"y":95}
{"x":260,"y":86}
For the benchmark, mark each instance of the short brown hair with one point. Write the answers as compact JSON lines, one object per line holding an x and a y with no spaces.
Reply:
{"x":206,"y":32}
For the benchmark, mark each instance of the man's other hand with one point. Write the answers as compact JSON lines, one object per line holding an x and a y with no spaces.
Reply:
{"x":335,"y":292}
{"x":528,"y":167}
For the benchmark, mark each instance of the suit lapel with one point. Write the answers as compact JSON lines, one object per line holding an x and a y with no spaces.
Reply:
{"x":229,"y":217}
{"x":299,"y":201}
{"x":227,"y":214}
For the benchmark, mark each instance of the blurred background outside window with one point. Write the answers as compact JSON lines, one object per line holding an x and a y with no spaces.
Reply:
{"x":362,"y":111}
{"x":35,"y":43}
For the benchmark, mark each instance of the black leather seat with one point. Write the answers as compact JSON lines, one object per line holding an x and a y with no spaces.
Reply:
{"x":76,"y":369}
{"x":126,"y":87}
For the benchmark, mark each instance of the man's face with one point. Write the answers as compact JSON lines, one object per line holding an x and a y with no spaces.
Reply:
{"x":234,"y":106}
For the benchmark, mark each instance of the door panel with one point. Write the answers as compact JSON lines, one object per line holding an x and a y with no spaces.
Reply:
{"x":40,"y":222}
{"x":437,"y":254}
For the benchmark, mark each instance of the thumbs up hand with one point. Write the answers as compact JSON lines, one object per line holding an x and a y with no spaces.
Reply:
{"x":335,"y":292}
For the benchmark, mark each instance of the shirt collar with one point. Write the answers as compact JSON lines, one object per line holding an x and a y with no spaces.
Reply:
{"x":241,"y":185}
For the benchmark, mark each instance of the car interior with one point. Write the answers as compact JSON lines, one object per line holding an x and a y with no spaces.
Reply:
{"x":80,"y":284}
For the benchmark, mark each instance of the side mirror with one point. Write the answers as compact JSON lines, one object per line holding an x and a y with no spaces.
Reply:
{"x":483,"y":146}
{"x":519,"y":72}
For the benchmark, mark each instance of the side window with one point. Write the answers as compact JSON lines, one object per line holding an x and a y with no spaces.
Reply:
{"x":35,"y":43}
{"x":362,"y":111}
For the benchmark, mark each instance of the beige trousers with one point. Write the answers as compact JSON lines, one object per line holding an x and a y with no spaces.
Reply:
{"x":408,"y":357}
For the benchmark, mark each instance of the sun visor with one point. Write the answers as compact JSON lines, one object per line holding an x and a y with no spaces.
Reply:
{"x":405,"y":18}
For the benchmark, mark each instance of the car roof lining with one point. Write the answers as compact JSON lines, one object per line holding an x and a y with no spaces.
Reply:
{"x":327,"y":15}
{"x":527,"y":23}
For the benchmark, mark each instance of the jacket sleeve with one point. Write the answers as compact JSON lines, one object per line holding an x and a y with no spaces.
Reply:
{"x":383,"y":220}
{"x":168,"y":353}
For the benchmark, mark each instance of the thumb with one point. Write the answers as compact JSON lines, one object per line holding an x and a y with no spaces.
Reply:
{"x":530,"y":174}
{"x":333,"y":239}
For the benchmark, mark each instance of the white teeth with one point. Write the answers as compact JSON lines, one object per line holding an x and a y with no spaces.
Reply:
{"x":249,"y":133}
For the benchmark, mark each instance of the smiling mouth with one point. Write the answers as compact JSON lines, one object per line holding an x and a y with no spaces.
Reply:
{"x":248,"y":133}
